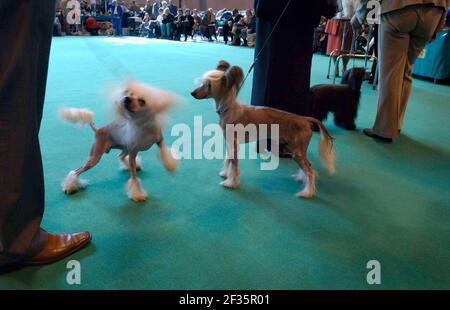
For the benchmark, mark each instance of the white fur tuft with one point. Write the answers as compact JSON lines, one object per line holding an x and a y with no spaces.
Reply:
{"x":72,"y":183}
{"x":326,"y":152}
{"x":158,"y":100}
{"x":134,"y":190}
{"x":310,"y":186}
{"x":82,"y":116}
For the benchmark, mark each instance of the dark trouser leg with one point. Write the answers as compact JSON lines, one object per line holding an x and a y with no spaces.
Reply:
{"x":22,"y":89}
{"x":282,"y":73}
{"x":226,"y":30}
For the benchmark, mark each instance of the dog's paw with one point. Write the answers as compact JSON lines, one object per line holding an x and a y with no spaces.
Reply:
{"x":223,"y":173}
{"x":72,"y":183}
{"x":230,"y":184}
{"x":305,"y":194}
{"x":135,"y":192}
{"x":139,"y":197}
{"x":125,"y":163}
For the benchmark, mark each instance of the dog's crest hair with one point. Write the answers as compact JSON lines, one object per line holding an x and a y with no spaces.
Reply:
{"x":223,"y":65}
{"x":213,"y":75}
{"x":157,"y":100}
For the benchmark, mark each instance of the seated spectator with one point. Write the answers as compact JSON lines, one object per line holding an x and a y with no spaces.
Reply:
{"x":91,"y":26}
{"x":246,"y":23}
{"x":160,"y":16}
{"x":134,"y":8}
{"x":187,"y":25}
{"x":197,"y":24}
{"x":209,"y":25}
{"x":154,"y":28}
{"x":145,"y":25}
{"x":251,"y":32}
{"x":237,"y":27}
{"x":178,"y":24}
{"x":166,"y":24}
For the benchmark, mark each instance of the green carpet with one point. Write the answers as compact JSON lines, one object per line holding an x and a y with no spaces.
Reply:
{"x":390,"y":203}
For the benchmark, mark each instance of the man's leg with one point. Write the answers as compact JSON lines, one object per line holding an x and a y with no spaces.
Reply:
{"x":225,"y":30}
{"x":21,"y":181}
{"x":394,"y":45}
{"x":403,"y":34}
{"x":27,"y":29}
{"x":421,"y":35}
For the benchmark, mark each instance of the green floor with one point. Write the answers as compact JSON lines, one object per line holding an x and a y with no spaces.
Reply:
{"x":390,"y":203}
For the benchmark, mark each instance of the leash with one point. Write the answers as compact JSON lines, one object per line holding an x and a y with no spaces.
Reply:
{"x":121,"y":67}
{"x":264,"y":46}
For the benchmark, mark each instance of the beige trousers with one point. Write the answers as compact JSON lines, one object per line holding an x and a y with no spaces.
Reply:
{"x":403,"y":35}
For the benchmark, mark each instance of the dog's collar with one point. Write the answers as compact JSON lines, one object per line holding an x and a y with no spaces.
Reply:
{"x":221,"y":111}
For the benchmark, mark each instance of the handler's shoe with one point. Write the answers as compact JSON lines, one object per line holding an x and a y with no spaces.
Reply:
{"x":59,"y":246}
{"x":369,"y":132}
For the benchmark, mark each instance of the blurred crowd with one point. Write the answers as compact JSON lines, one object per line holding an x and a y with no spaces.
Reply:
{"x":157,"y":19}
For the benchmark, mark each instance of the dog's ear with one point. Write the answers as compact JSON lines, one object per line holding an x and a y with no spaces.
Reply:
{"x":224,"y":81}
{"x":223,"y":65}
{"x":234,"y":76}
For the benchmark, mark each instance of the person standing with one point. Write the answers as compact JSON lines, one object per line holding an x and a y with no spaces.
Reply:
{"x":26,"y":26}
{"x":406,"y":26}
{"x":93,"y":7}
{"x":116,"y":13}
{"x":155,"y":8}
{"x":173,"y":8}
{"x":166,"y":24}
{"x":282,"y":71}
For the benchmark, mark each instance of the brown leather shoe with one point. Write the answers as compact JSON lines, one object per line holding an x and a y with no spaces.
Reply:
{"x":60,"y":246}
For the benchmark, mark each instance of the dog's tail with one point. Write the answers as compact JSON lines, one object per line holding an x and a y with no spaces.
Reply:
{"x":326,"y":148}
{"x":81,"y":116}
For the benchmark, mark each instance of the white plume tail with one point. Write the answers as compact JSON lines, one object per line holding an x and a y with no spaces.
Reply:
{"x":78,"y":116}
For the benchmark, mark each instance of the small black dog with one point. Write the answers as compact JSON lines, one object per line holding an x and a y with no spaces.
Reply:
{"x":342,"y":100}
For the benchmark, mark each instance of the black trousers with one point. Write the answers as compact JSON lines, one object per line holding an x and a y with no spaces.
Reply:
{"x":282,"y":72}
{"x":226,"y":32}
{"x":26,"y":33}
